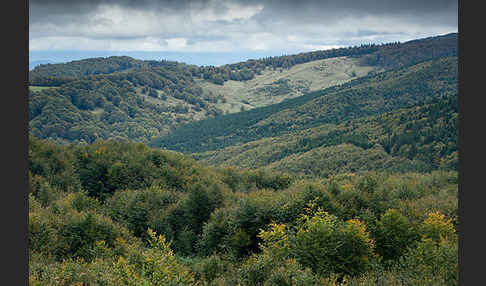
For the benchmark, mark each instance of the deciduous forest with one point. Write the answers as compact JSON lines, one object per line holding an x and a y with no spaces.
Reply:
{"x":140,"y":174}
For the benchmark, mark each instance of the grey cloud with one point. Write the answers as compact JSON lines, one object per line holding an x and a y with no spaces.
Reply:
{"x":294,"y":12}
{"x":316,"y":22}
{"x":304,"y":9}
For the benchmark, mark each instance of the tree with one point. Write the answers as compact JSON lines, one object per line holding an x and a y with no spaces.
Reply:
{"x":393,"y":235}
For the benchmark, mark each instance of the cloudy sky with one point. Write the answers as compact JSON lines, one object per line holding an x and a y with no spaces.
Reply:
{"x":245,"y":27}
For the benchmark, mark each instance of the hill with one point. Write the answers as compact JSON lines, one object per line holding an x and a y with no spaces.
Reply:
{"x":346,"y":170}
{"x":275,"y":85}
{"x":147,"y":98}
{"x":132,"y":103}
{"x":419,"y":138}
{"x":127,"y":99}
{"x":367,"y":96}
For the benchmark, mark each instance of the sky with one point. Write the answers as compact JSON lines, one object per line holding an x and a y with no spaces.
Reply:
{"x":215,"y":32}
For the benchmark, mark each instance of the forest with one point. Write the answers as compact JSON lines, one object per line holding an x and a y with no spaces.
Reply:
{"x":117,"y":105}
{"x":115,"y":213}
{"x":419,"y":138}
{"x":138,"y":177}
{"x":365,"y":96}
{"x":122,"y":98}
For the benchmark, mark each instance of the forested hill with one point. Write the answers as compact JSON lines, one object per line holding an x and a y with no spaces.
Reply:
{"x":419,"y":138}
{"x":348,"y":179}
{"x":413,"y":52}
{"x":56,"y":74}
{"x":366,"y":96}
{"x":389,"y":55}
{"x":127,"y":99}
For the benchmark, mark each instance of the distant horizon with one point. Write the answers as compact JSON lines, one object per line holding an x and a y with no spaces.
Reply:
{"x":191,"y":58}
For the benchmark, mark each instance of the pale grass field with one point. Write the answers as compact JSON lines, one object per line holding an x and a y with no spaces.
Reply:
{"x":302,"y":78}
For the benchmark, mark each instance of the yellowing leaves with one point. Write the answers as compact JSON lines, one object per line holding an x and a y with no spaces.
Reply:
{"x":437,"y":227}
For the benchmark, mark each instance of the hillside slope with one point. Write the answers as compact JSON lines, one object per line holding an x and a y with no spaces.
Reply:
{"x":366,"y":96}
{"x":275,"y":85}
{"x":129,"y":99}
{"x":417,"y":138}
{"x":124,"y":98}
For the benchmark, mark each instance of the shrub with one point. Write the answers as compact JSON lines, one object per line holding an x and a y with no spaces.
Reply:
{"x":393,"y":234}
{"x":328,"y":245}
{"x":437,"y":227}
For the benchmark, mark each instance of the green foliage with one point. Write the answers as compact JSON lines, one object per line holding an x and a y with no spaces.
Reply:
{"x":41,"y":233}
{"x":106,"y":166}
{"x":393,"y":234}
{"x":327,"y":245}
{"x":420,"y":138}
{"x":183,"y":223}
{"x":437,"y":228}
{"x":138,"y":210}
{"x":160,"y":266}
{"x":62,"y":232}
{"x":366,"y":97}
{"x":222,"y":226}
{"x":215,"y":233}
{"x":155,"y":265}
{"x":127,"y":99}
{"x":51,"y":166}
{"x":92,"y":103}
{"x":429,"y":263}
{"x":52,"y":74}
{"x":291,"y":273}
{"x":211,"y":270}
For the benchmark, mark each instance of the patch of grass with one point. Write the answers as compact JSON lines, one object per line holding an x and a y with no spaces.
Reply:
{"x":273,"y":86}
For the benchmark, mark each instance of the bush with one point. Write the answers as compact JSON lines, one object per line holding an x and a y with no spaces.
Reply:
{"x":436,"y":227}
{"x":139,"y":210}
{"x":323,"y":243}
{"x":393,"y":234}
{"x":291,"y":273}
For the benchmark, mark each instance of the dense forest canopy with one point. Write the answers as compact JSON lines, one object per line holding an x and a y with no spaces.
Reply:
{"x":113,"y":213}
{"x":127,"y":99}
{"x":354,"y":184}
{"x":419,"y":138}
{"x":366,"y":96}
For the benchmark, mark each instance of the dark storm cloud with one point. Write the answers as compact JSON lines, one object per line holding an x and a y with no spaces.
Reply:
{"x":302,"y":10}
{"x":246,"y":24}
{"x":365,"y":6}
{"x":442,"y":12}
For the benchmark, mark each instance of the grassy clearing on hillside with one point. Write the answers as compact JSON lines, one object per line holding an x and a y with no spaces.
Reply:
{"x":276,"y":85}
